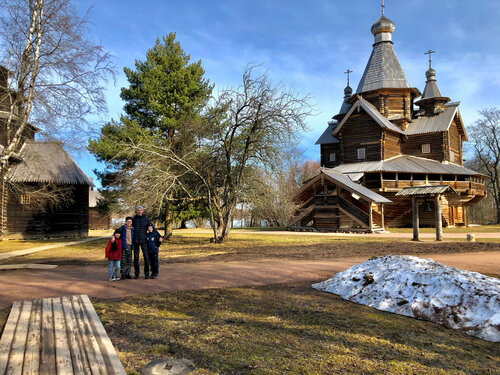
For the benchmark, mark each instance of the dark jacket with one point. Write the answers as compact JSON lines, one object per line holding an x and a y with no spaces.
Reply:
{"x":124,"y":237}
{"x":140,"y":224}
{"x":114,"y":249}
{"x":154,"y":243}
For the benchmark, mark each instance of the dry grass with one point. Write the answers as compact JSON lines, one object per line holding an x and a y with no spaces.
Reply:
{"x":194,"y":247}
{"x":286,"y":329}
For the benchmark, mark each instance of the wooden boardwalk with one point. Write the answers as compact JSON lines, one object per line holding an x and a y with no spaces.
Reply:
{"x":61,"y":335}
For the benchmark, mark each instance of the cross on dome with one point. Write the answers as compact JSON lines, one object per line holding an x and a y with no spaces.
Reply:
{"x":430,"y":52}
{"x":348,"y":72}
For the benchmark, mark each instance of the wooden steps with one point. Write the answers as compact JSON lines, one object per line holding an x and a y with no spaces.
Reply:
{"x":53,"y":336}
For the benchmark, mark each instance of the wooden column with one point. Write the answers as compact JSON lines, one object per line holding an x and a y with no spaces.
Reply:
{"x":382,"y":214}
{"x":414,"y":207}
{"x":370,"y":211}
{"x":439,"y":221}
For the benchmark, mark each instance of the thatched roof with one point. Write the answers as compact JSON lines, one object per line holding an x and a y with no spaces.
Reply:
{"x":47,"y":162}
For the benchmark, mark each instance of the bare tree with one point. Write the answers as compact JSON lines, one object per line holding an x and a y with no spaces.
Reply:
{"x":485,"y":135}
{"x":244,"y":128}
{"x":272,"y":192}
{"x":53,"y":75}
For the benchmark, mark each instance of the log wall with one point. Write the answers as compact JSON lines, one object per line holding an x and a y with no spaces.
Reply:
{"x":31,"y":221}
{"x":360,"y":131}
{"x":413,"y":146}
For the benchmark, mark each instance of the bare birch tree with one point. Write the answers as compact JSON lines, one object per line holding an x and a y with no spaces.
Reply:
{"x":55,"y":75}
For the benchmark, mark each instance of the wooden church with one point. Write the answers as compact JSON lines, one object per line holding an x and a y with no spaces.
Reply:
{"x":390,"y":148}
{"x":31,"y":202}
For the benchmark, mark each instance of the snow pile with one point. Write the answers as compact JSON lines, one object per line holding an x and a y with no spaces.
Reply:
{"x":423,"y":289}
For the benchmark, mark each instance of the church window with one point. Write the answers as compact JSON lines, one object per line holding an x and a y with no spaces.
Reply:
{"x":361,"y":153}
{"x":25,"y":199}
{"x":426,"y":148}
{"x":333,"y":156}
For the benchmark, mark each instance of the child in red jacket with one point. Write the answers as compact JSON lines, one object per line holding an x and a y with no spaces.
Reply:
{"x":114,"y":255}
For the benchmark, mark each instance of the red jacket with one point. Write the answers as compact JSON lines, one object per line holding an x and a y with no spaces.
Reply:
{"x":114,"y":254}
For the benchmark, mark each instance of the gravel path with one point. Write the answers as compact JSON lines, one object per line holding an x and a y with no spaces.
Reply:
{"x":27,"y":284}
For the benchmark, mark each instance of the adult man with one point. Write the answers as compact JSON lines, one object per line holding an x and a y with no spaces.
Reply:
{"x":140,"y":223}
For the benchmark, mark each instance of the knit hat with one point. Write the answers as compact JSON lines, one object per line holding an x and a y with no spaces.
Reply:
{"x":138,"y":208}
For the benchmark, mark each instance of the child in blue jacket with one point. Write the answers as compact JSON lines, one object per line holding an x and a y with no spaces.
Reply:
{"x":154,"y":241}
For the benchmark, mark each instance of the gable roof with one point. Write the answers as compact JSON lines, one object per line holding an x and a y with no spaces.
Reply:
{"x":353,"y":187}
{"x":327,"y":136}
{"x":405,"y":164}
{"x":437,"y":123}
{"x":372,"y":112}
{"x":47,"y":162}
{"x":383,"y":70}
{"x":346,"y":183}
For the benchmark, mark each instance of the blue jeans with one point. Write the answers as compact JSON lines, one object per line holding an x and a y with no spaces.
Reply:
{"x":116,"y":264}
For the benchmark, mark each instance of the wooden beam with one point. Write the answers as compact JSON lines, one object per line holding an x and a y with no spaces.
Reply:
{"x":439,"y":221}
{"x":370,"y":215}
{"x":382,"y":215}
{"x":414,"y":206}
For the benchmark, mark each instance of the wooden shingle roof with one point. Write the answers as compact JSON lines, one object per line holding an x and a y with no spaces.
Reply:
{"x":47,"y":162}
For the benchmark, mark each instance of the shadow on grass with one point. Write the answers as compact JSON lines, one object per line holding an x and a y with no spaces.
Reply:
{"x":282,"y":329}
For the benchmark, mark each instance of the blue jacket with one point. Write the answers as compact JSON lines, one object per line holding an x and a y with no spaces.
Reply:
{"x":124,"y":237}
{"x":153,"y":240}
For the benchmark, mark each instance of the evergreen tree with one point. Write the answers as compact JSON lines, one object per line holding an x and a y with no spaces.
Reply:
{"x":162,"y":103}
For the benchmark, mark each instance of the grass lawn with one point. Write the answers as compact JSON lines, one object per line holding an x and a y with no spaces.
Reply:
{"x":195,"y":247}
{"x":12,"y":245}
{"x":282,"y":329}
{"x":471,"y":229}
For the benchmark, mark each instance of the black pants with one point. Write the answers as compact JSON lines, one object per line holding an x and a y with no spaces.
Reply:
{"x":145,"y":255}
{"x":153,"y":261}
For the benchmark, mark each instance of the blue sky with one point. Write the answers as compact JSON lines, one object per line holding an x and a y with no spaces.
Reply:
{"x":308,"y":45}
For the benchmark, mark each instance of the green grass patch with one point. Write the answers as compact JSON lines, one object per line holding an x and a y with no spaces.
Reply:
{"x":286,"y":329}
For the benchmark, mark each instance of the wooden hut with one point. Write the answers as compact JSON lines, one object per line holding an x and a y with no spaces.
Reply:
{"x":383,"y":139}
{"x":44,"y":168}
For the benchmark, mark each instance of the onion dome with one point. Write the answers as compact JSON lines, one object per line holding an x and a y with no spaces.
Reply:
{"x":383,"y":25}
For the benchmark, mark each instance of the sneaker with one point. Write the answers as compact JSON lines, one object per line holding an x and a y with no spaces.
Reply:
{"x":136,"y":277}
{"x":111,"y":278}
{"x":128,"y":276}
{"x":146,"y":277}
{"x":154,"y":277}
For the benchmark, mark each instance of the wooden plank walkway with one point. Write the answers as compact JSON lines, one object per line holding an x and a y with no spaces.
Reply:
{"x":53,"y":336}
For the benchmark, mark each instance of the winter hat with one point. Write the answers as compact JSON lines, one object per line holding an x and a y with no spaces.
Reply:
{"x":138,"y":208}
{"x":117,"y":231}
{"x":128,"y":218}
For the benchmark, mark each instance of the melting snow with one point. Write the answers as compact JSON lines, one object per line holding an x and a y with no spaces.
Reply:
{"x":423,"y":289}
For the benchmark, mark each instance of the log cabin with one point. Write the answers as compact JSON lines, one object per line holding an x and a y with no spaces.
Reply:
{"x":44,"y":193}
{"x":387,"y":137}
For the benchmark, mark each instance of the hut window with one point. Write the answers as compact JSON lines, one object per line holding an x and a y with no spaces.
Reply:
{"x":332,"y":156}
{"x":426,"y":148}
{"x":25,"y":199}
{"x":361,"y":153}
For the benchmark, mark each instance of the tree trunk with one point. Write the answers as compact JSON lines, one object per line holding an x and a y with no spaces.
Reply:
{"x":183,"y":224}
{"x":168,"y":222}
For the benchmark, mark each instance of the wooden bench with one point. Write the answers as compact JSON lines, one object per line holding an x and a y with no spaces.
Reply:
{"x":61,"y":335}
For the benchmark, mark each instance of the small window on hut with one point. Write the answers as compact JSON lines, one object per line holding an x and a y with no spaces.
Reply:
{"x":426,"y":148}
{"x":333,"y":156}
{"x":25,"y":199}
{"x":361,"y":153}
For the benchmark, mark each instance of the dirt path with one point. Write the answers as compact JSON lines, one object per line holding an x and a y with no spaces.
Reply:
{"x":66,"y":280}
